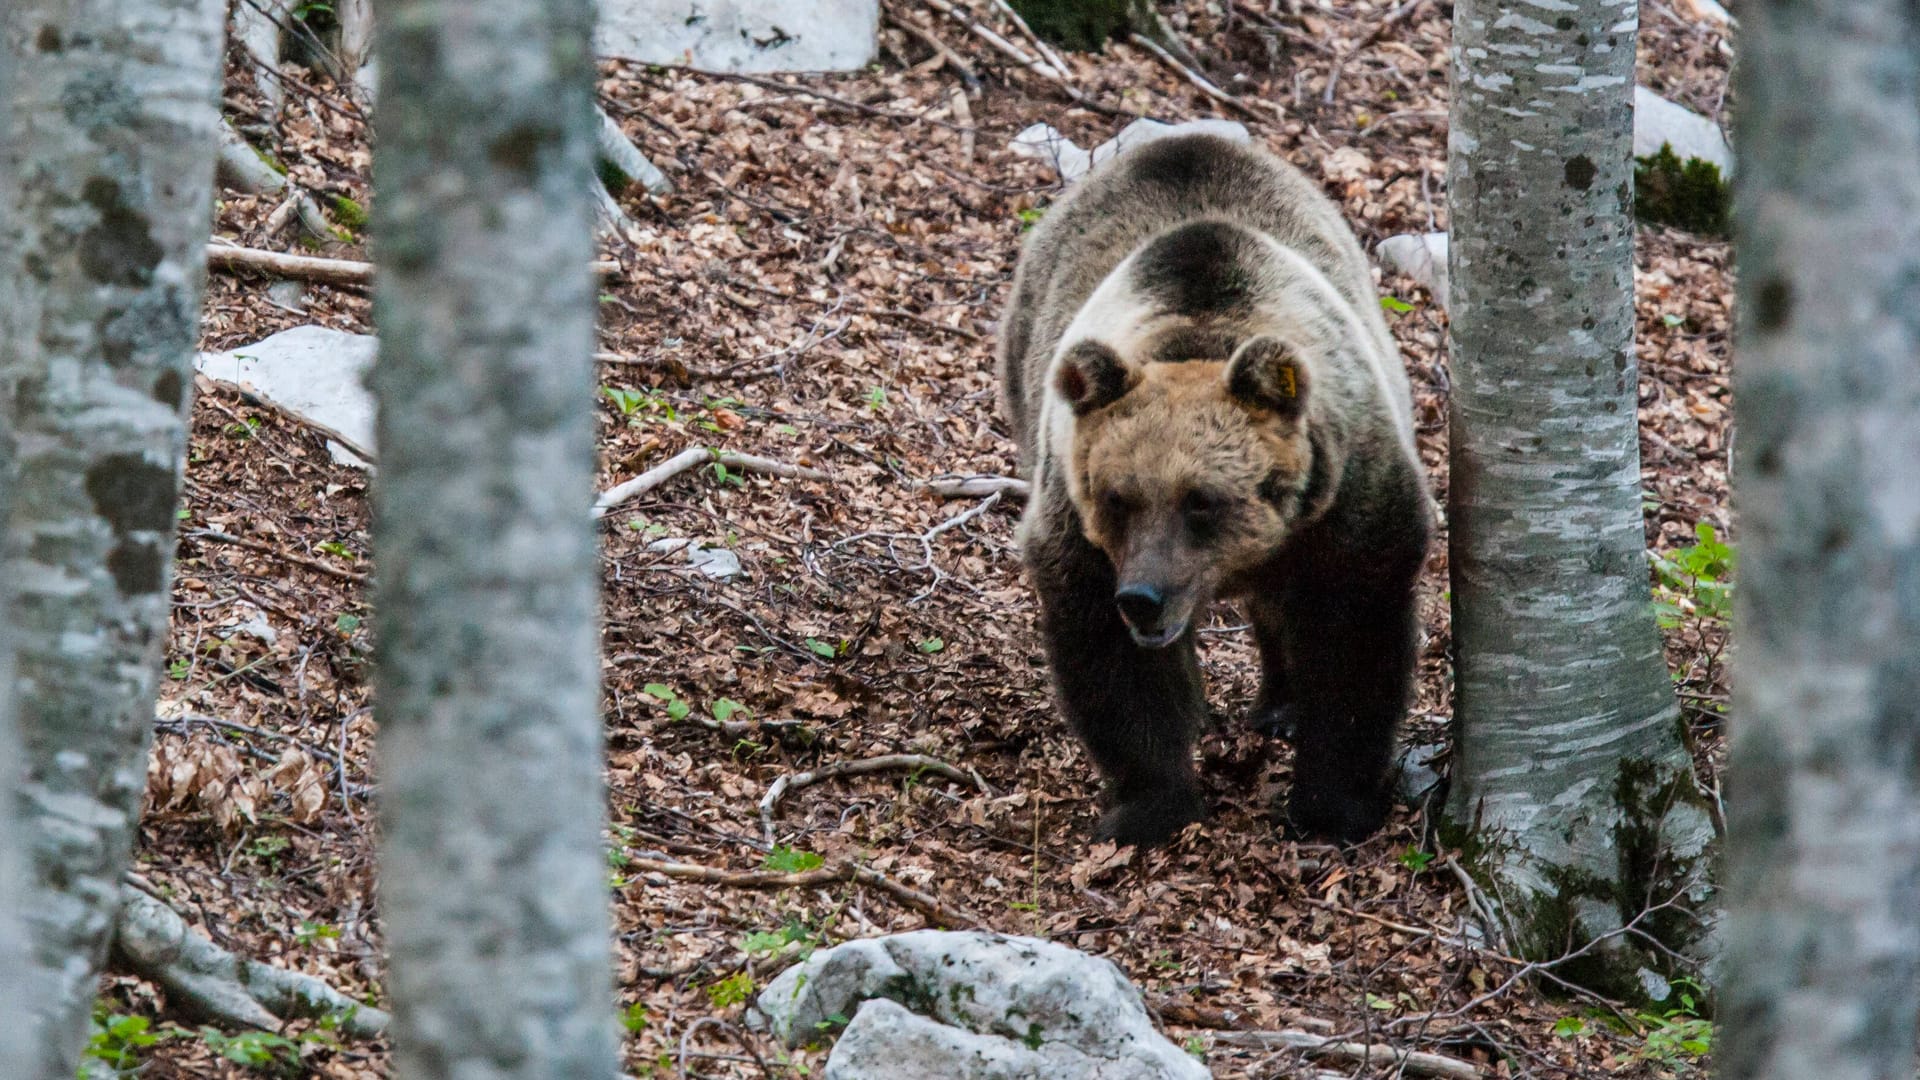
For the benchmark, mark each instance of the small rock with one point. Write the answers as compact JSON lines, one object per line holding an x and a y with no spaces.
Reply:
{"x":311,"y":371}
{"x":741,"y":35}
{"x":1658,"y":122}
{"x":288,"y":296}
{"x":251,"y":622}
{"x":716,"y":562}
{"x":1420,"y":256}
{"x":972,"y":1006}
{"x":1043,"y":143}
{"x":1414,"y":777}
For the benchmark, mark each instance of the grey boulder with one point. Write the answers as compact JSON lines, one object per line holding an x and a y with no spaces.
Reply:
{"x":971,"y":1006}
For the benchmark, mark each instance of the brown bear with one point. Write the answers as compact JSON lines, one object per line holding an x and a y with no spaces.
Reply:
{"x":1210,"y":404}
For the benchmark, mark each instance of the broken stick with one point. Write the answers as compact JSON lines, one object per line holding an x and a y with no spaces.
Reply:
{"x":231,"y":258}
{"x":840,"y":870}
{"x":689,"y":458}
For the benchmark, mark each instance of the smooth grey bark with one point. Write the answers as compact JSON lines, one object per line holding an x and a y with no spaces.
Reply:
{"x":493,"y":881}
{"x":18,"y":1050}
{"x":106,"y":171}
{"x":1821,"y":976}
{"x":1572,"y":788}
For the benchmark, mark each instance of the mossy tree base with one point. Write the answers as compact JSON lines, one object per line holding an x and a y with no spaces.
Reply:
{"x":1614,"y":889}
{"x":1086,"y":25}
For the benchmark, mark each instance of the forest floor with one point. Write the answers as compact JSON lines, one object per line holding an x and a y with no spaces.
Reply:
{"x":822,"y":289}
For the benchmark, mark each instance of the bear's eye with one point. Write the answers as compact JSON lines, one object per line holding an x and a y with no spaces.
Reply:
{"x":1115,"y":506}
{"x":1202,"y":511}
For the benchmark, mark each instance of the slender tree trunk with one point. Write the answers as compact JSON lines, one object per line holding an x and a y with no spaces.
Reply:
{"x":493,"y":880}
{"x":106,"y":175}
{"x":1822,"y":968}
{"x":19,"y":1052}
{"x":1572,"y":789}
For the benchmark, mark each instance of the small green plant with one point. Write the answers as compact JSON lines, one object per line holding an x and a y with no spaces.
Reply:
{"x":245,"y":429}
{"x":312,"y":932}
{"x":876,"y":398}
{"x":1030,"y":217}
{"x":731,"y":990}
{"x":823,"y":648}
{"x":932,"y":645}
{"x":1695,"y":581}
{"x":262,"y":1051}
{"x":725,"y":708}
{"x":728,"y":476}
{"x":676,"y":709}
{"x":1689,"y":195}
{"x":627,"y":401}
{"x":118,"y":1040}
{"x":269,"y":848}
{"x":1394,"y":305}
{"x":1416,"y":860}
{"x":346,"y":623}
{"x":335,"y":548}
{"x":788,"y":860}
{"x":179,"y":668}
{"x":770,"y":942}
{"x":634,"y":1018}
{"x":1568,"y":1027}
{"x":1196,"y":1046}
{"x":1678,"y":1037}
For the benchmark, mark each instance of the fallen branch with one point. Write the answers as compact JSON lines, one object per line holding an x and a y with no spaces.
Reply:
{"x":152,"y":941}
{"x":862,"y":767}
{"x":284,"y":556}
{"x":978,"y":486}
{"x":1020,"y":57}
{"x":689,"y":458}
{"x":1039,"y":43}
{"x":940,"y":48}
{"x":1205,"y":85}
{"x":840,"y":870}
{"x":618,"y":152}
{"x":1409,"y":1062}
{"x":230,"y":258}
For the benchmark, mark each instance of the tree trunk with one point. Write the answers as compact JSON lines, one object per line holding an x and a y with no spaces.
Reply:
{"x":106,"y":175}
{"x":1573,"y":792}
{"x":1822,"y":966}
{"x":19,"y":1052}
{"x":493,"y":881}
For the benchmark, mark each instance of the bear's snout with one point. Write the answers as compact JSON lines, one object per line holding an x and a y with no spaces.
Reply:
{"x":1144,"y":608}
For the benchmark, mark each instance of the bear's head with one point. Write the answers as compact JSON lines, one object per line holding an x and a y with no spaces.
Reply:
{"x":1187,"y":474}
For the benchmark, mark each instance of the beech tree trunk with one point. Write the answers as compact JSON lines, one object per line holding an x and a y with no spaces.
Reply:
{"x":493,"y":878}
{"x":1821,"y":976}
{"x":19,"y":1054}
{"x":106,"y":179}
{"x":1572,"y":793}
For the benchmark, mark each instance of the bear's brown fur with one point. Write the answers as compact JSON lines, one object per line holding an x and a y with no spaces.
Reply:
{"x":1211,"y":405}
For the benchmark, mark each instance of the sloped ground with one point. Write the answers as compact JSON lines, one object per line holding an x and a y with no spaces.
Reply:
{"x":822,"y":290}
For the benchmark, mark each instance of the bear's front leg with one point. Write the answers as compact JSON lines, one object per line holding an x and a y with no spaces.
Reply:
{"x":1273,"y":714}
{"x":1350,"y":658}
{"x":1137,"y":709}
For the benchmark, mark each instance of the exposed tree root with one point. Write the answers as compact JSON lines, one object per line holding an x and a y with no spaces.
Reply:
{"x":152,"y":941}
{"x":978,"y":486}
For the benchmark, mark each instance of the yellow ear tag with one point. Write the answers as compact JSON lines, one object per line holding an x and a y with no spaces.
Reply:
{"x":1289,"y":381}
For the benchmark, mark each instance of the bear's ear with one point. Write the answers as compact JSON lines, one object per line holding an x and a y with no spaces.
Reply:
{"x":1266,"y":373}
{"x":1092,"y":376}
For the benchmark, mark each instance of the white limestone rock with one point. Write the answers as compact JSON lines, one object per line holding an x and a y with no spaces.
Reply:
{"x":313,"y":371}
{"x":741,"y":35}
{"x":1042,"y":142}
{"x":1657,"y":122}
{"x":972,"y":1006}
{"x":1420,"y":256}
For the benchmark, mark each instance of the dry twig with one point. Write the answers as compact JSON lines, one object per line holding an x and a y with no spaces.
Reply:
{"x":1408,"y":1062}
{"x":1205,"y":85}
{"x":862,"y":767}
{"x":284,"y":556}
{"x":978,"y":486}
{"x":839,"y":870}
